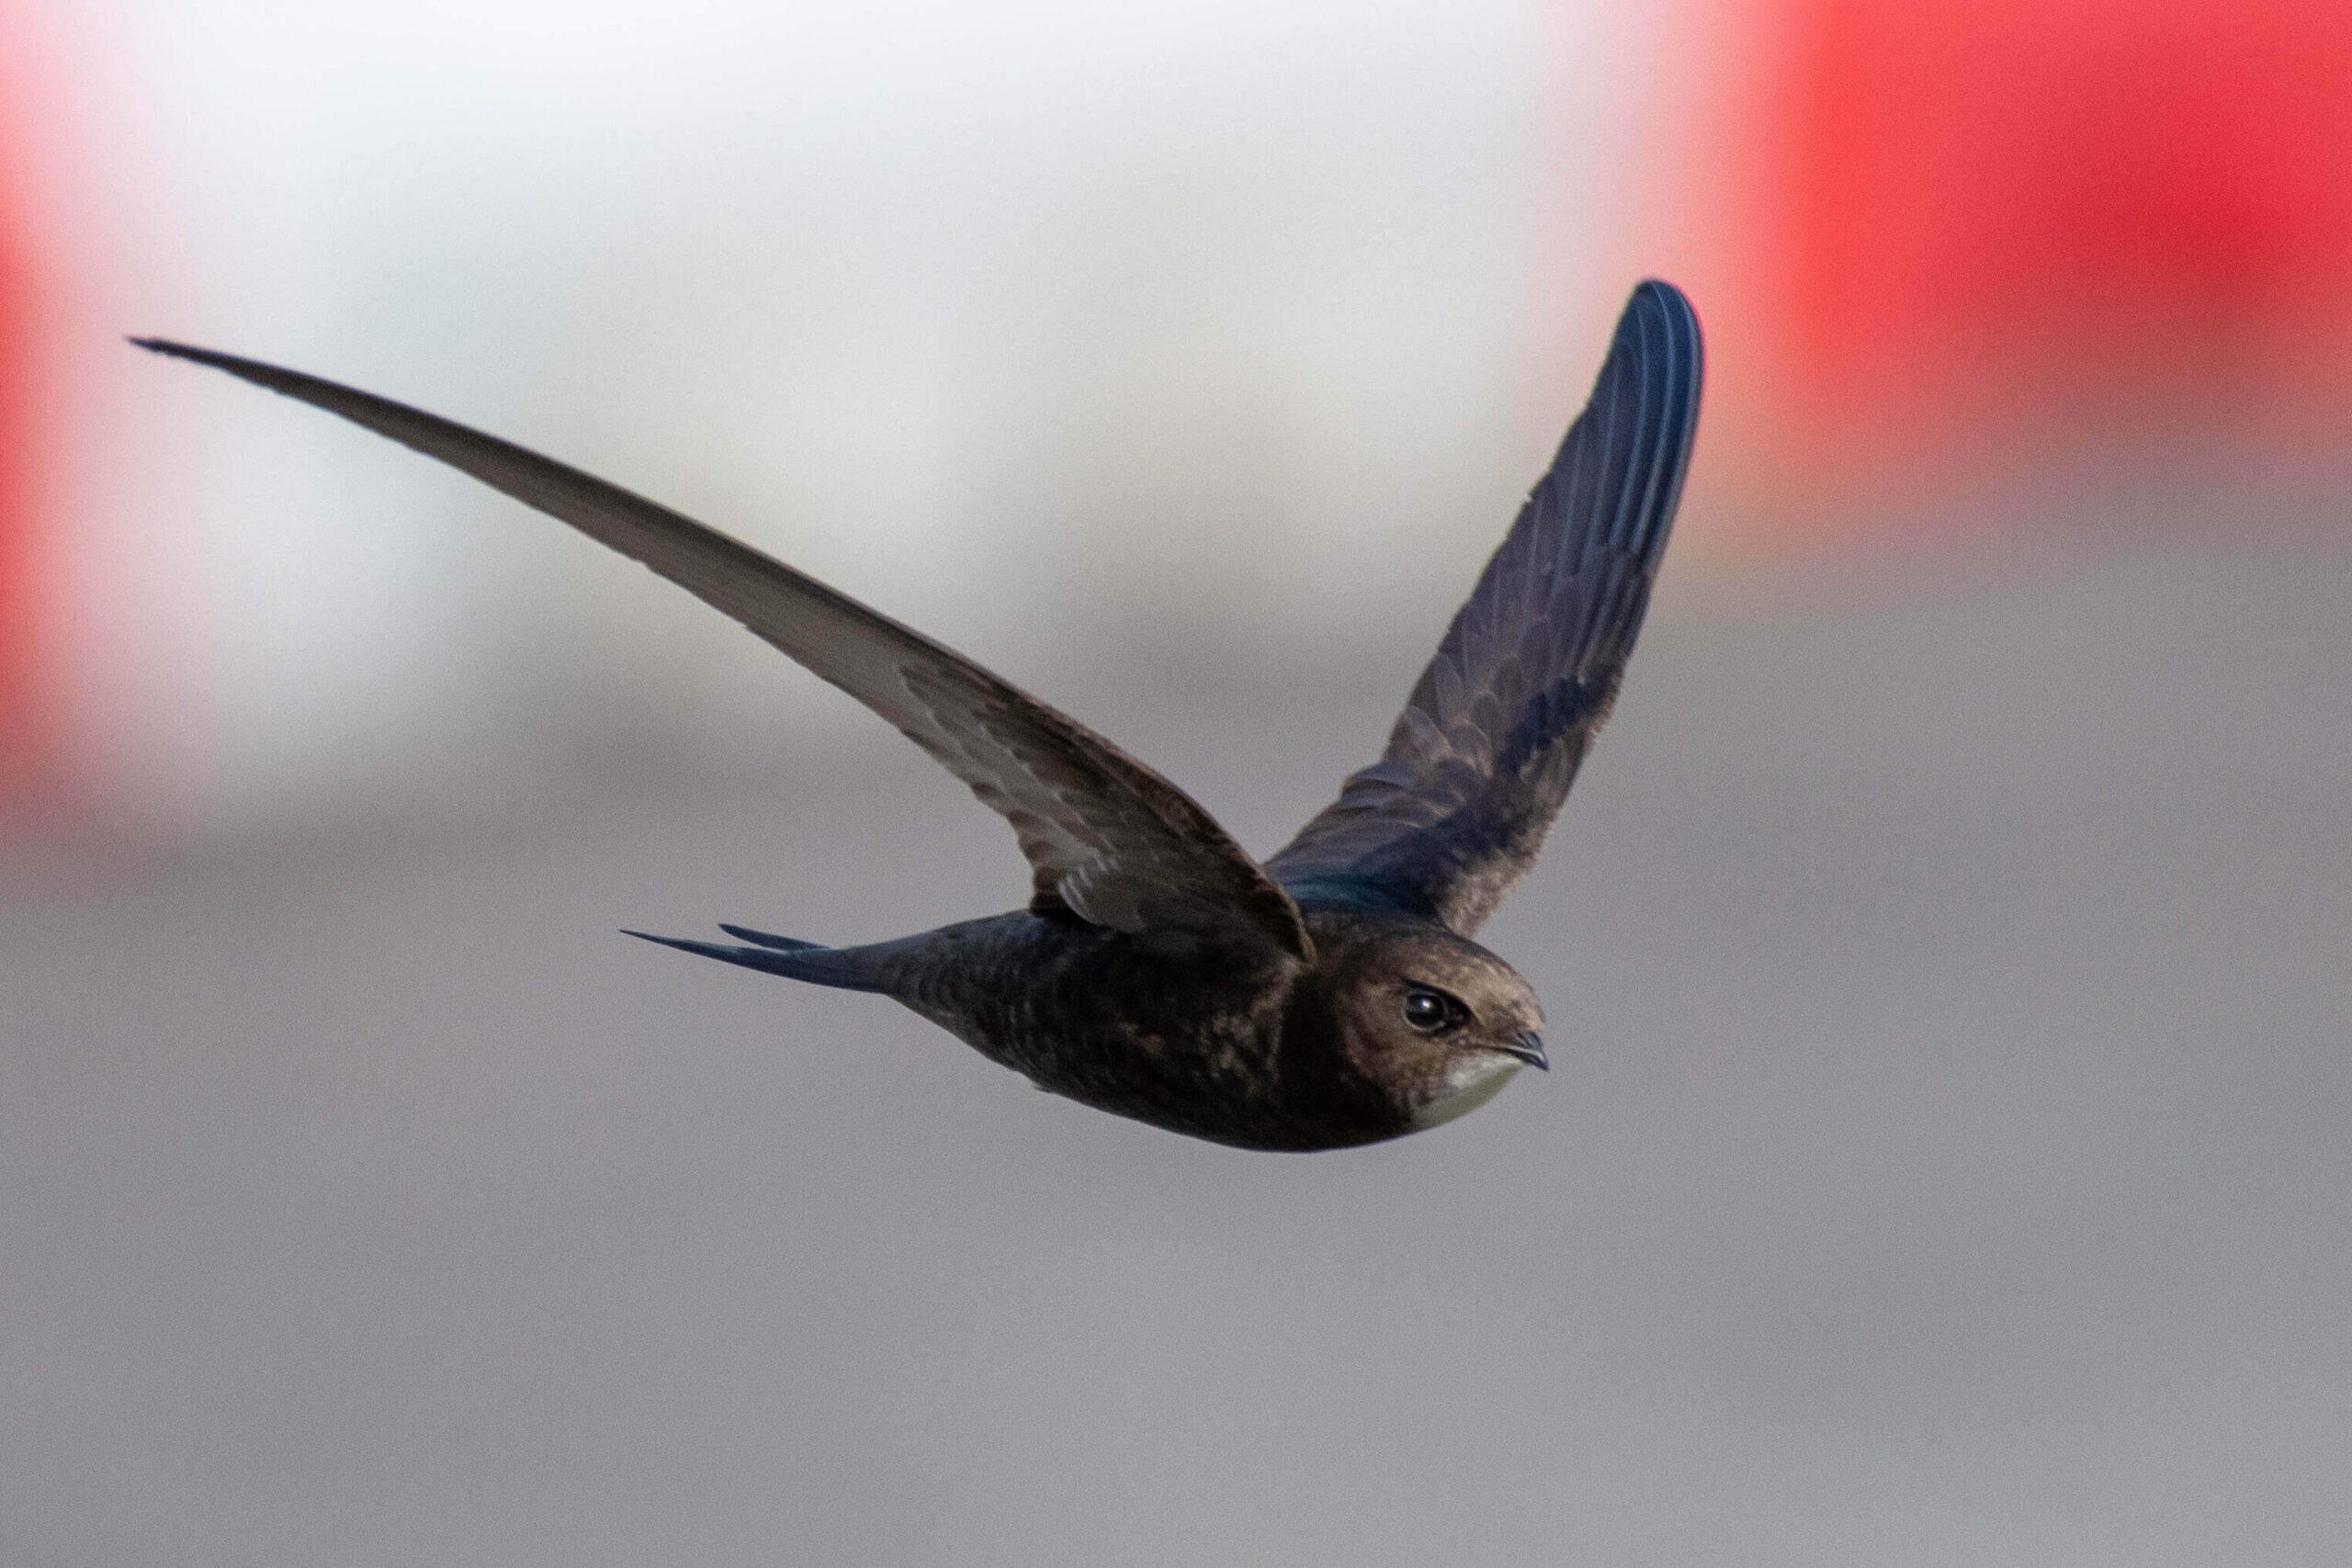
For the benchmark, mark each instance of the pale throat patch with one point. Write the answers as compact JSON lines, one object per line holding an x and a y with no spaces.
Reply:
{"x":1468,"y":1084}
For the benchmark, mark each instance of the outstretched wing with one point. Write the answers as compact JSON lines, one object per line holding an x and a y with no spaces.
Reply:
{"x":1455,"y":809}
{"x":1110,"y":841}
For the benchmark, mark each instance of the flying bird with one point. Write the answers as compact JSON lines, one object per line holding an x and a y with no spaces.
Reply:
{"x":1330,"y":995}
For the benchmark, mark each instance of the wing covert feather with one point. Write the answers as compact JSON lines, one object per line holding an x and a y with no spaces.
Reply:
{"x":1455,"y":810}
{"x":1108,"y":839}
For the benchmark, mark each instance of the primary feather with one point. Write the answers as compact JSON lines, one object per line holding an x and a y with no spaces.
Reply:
{"x":1455,"y":810}
{"x":1108,"y":839}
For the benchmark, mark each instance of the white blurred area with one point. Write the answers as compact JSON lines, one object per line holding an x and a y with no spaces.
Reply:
{"x":1061,"y":331}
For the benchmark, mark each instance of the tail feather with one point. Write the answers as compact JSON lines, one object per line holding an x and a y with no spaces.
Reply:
{"x":845,"y":969}
{"x":764,"y":939}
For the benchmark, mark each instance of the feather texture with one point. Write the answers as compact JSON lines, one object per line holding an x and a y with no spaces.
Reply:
{"x":1455,"y":810}
{"x":1108,"y":839}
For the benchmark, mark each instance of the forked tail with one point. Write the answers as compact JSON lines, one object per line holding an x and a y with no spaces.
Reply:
{"x":844,"y":968}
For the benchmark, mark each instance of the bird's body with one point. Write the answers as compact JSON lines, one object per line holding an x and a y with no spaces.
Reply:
{"x":1329,"y":996}
{"x":1224,"y":1042}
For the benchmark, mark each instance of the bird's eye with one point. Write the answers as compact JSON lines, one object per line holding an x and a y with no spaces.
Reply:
{"x":1430,"y":1011}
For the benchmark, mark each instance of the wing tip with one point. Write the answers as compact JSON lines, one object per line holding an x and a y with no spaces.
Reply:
{"x":171,"y":350}
{"x":272,"y":377}
{"x":1657,"y":306}
{"x":1659,"y":345}
{"x":1671,"y":307}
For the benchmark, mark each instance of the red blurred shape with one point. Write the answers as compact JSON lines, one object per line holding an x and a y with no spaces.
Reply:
{"x":23,"y":732}
{"x":2085,"y":202}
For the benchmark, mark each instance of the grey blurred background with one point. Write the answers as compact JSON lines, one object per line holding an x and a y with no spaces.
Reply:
{"x":1947,"y":947}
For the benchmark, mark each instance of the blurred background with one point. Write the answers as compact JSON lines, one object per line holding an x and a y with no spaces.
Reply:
{"x":1949,"y":951}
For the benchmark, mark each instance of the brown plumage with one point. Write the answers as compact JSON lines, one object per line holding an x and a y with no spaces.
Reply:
{"x":1332,"y":994}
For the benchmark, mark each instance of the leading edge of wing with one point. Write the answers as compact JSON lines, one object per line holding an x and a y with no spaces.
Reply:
{"x":1110,"y":838}
{"x":1481,"y":758}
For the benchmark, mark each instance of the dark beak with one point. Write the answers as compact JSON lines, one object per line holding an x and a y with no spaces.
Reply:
{"x":1528,"y":1048}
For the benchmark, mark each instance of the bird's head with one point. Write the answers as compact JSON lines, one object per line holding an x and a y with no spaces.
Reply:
{"x":1436,"y":1022}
